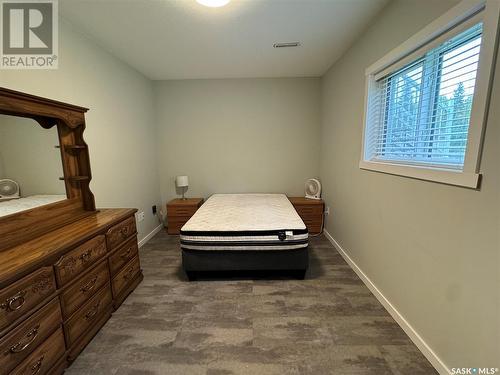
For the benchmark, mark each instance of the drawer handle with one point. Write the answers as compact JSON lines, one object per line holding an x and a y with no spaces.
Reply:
{"x":31,"y":335}
{"x":86,"y":256}
{"x":92,"y":312}
{"x":15,"y":302}
{"x":124,"y":232}
{"x":90,"y":285}
{"x":129,"y":273}
{"x":126,"y":254}
{"x":35,"y":369}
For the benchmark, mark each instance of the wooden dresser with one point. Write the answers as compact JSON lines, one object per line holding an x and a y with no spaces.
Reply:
{"x":310,"y":211}
{"x":179,"y":211}
{"x":64,"y":266}
{"x":57,"y":290}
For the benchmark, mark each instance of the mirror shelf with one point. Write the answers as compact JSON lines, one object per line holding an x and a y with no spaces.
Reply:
{"x":74,"y":178}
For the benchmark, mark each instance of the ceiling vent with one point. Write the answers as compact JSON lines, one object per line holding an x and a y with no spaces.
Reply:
{"x":286,"y":45}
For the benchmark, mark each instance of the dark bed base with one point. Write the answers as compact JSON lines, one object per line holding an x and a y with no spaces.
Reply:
{"x":246,"y":275}
{"x":196,"y":262}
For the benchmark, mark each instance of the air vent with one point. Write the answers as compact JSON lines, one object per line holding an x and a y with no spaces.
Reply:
{"x":285,"y":45}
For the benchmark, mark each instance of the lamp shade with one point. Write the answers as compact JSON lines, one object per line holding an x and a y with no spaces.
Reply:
{"x":181,"y":181}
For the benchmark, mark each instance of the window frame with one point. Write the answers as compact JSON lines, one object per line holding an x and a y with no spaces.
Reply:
{"x":457,"y":19}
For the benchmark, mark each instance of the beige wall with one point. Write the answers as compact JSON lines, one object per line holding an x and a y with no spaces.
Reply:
{"x":29,"y":157}
{"x":120,"y":122}
{"x":238,"y":135}
{"x":2,"y":169}
{"x":432,"y":249}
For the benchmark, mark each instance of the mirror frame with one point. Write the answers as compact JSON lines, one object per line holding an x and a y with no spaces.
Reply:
{"x":70,"y":121}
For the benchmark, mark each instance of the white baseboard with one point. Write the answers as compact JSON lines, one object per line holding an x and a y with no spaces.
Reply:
{"x":403,"y":323}
{"x":150,"y":235}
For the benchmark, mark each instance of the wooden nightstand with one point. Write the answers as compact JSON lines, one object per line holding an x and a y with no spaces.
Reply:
{"x":310,"y":211}
{"x":179,"y":211}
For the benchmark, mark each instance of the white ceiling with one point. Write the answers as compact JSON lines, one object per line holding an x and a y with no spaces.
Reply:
{"x":176,"y":39}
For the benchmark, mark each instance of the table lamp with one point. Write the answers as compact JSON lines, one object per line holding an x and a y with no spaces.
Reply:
{"x":183,"y":183}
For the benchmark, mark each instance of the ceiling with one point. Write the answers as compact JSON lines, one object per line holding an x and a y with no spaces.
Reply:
{"x":179,"y":39}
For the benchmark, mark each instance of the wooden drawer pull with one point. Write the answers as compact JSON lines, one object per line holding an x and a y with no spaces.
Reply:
{"x":124,"y":232}
{"x":35,"y":369}
{"x":86,"y":256}
{"x":15,"y":302}
{"x":92,"y":312}
{"x":31,"y":335}
{"x":90,"y":285}
{"x":126,"y":254}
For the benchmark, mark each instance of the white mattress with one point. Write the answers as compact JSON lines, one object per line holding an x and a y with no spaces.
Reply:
{"x":245,"y":222}
{"x":13,"y":206}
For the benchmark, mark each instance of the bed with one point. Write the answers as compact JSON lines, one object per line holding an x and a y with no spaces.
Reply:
{"x":245,"y":232}
{"x":12,"y":206}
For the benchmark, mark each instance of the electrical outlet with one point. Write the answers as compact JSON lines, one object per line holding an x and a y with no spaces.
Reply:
{"x":140,"y":216}
{"x":327,"y":210}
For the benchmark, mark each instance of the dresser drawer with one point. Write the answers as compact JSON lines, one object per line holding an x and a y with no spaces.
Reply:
{"x":79,"y":259}
{"x":312,"y":210}
{"x":313,"y":225}
{"x":77,"y":347}
{"x":25,"y":294}
{"x":314,"y":229}
{"x":176,"y":223}
{"x":84,"y":319}
{"x":26,"y":337}
{"x":312,"y":221}
{"x":81,"y":291}
{"x":175,"y":227}
{"x":123,"y":255}
{"x":125,"y":276}
{"x":117,"y":234}
{"x":44,"y":357}
{"x":179,"y":210}
{"x":178,"y":220}
{"x":59,"y":367}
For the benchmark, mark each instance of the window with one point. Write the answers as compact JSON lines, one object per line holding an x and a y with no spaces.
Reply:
{"x":425,"y":107}
{"x":423,"y":117}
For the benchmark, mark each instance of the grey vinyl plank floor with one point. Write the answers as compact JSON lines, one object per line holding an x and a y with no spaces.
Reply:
{"x":329,"y":323}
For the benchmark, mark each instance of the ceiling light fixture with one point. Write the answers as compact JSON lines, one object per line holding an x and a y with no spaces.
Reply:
{"x":284,"y":45}
{"x":213,"y":3}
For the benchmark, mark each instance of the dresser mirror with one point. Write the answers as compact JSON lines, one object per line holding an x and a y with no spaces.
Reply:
{"x":30,"y":165}
{"x":42,"y":149}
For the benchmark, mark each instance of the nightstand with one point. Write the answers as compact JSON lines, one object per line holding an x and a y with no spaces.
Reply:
{"x":179,"y":211}
{"x":310,"y":211}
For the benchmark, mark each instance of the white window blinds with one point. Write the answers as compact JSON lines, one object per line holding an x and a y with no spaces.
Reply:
{"x":420,"y":113}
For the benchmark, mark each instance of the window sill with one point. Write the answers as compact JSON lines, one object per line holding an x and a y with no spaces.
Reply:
{"x":444,"y":176}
